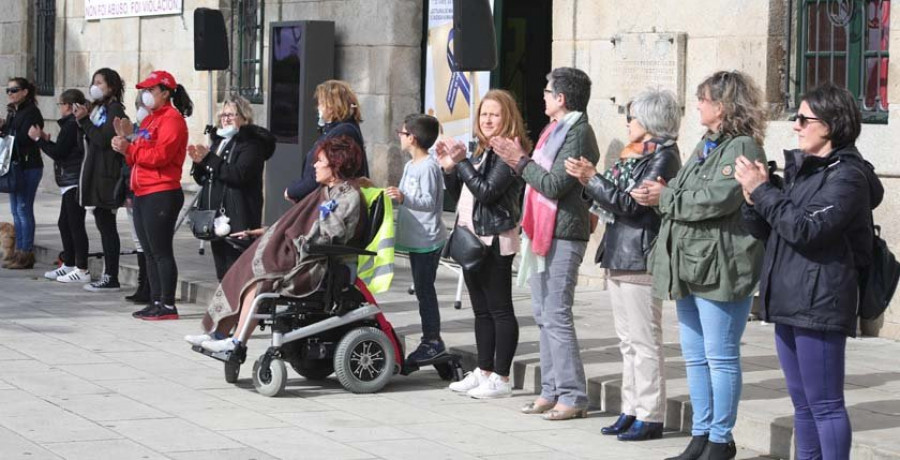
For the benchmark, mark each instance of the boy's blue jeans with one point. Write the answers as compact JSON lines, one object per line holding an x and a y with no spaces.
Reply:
{"x":711,"y":345}
{"x":424,"y":271}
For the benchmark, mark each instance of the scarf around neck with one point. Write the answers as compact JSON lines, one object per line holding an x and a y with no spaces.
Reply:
{"x":539,"y":212}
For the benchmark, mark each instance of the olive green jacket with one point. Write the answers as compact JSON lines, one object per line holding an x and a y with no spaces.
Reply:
{"x":702,"y":247}
{"x":572,"y":216}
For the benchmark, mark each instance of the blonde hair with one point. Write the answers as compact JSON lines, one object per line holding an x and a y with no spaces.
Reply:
{"x":743,"y":113}
{"x":340,"y":101}
{"x":241,"y":106}
{"x":512,"y":125}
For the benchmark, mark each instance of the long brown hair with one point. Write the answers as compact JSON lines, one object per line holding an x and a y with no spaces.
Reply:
{"x":742,"y":103}
{"x":512,"y":126}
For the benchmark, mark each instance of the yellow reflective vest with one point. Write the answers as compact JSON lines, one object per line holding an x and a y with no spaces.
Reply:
{"x":377,"y":271}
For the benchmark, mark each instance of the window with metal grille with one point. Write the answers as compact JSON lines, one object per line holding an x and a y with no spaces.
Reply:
{"x":846,"y":42}
{"x":247,"y":21}
{"x":44,"y":43}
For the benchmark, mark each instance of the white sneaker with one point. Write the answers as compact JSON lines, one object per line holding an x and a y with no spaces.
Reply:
{"x":197,"y":340}
{"x":491,"y":388}
{"x":75,"y":276}
{"x":472,"y":380}
{"x":61,"y":271}
{"x":218,"y":346}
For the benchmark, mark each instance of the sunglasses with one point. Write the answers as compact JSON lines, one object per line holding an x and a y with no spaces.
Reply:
{"x":804,"y":120}
{"x":628,"y":118}
{"x":13,"y":90}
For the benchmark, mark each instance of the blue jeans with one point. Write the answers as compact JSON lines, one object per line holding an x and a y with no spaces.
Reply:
{"x":552,"y":296}
{"x":813,"y":365}
{"x":21,"y":205}
{"x":424,"y":271}
{"x":711,"y":345}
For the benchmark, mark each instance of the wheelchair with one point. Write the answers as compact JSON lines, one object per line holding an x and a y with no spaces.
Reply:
{"x":338,"y":329}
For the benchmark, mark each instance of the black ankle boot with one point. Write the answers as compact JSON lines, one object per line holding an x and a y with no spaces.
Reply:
{"x":142,"y":294}
{"x":642,"y":431}
{"x":622,"y":424}
{"x":719,"y":451}
{"x":694,"y":449}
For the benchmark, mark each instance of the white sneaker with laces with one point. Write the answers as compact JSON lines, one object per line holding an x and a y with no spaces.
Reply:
{"x":472,"y":380}
{"x":197,"y":340}
{"x":218,"y":346}
{"x":491,"y":388}
{"x":61,"y":271}
{"x":75,"y":276}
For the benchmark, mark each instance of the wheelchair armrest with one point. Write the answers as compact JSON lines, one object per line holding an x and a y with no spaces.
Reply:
{"x":336,"y":250}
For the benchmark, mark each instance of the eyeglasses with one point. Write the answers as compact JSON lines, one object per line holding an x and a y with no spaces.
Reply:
{"x":628,"y":118}
{"x":804,"y":120}
{"x":403,"y":133}
{"x":13,"y":90}
{"x":548,"y":91}
{"x":227,"y":116}
{"x":60,"y":104}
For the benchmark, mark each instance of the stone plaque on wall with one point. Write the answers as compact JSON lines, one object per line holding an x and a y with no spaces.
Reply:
{"x":647,"y":60}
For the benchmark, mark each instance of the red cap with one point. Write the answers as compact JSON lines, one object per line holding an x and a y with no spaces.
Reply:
{"x":158,"y":77}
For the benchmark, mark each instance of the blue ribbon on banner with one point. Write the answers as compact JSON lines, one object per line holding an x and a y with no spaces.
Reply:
{"x":458,"y":81}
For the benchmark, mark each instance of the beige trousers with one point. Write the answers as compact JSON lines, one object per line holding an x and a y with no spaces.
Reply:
{"x":638,"y":321}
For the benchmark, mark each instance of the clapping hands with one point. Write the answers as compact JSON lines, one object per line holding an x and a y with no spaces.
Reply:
{"x":124,"y":129}
{"x":450,"y":152}
{"x":581,"y":169}
{"x":197,"y":152}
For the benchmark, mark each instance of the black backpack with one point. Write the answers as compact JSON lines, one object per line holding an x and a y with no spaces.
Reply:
{"x":878,"y":281}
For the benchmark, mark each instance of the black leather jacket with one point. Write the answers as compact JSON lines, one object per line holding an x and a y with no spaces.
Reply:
{"x":497,"y":192}
{"x":627,"y":241}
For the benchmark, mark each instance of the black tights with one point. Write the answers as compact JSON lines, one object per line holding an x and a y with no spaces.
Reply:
{"x":154,"y":220}
{"x":109,"y":237}
{"x":496,"y":327}
{"x":72,"y":231}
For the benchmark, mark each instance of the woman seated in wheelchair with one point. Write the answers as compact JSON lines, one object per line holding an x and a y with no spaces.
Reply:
{"x":277,"y":262}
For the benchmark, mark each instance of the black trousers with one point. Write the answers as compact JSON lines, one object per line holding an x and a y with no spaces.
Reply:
{"x":496,"y":327}
{"x":224,"y":255}
{"x":109,"y":238}
{"x":72,"y":232}
{"x":155,"y":216}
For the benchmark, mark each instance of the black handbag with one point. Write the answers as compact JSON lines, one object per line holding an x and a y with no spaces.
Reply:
{"x":11,"y":176}
{"x":203,"y":221}
{"x":465,"y":248}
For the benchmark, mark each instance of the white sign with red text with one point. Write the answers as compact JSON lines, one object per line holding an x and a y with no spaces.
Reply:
{"x":105,"y":9}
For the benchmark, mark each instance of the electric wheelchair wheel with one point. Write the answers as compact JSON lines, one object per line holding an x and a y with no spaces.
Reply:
{"x":364,"y":360}
{"x":269,"y":380}
{"x":232,"y":370}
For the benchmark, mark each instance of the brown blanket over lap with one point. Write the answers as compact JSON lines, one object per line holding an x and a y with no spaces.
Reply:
{"x":276,"y":262}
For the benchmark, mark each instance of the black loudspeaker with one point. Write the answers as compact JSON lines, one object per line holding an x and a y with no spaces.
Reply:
{"x":474,"y":42}
{"x":210,"y":40}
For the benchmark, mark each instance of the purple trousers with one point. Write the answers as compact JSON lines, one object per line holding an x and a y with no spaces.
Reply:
{"x":813,"y":365}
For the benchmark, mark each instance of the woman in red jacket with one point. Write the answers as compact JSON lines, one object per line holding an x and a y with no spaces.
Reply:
{"x":156,"y":154}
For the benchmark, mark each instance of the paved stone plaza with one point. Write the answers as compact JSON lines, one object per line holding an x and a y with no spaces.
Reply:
{"x":81,"y":379}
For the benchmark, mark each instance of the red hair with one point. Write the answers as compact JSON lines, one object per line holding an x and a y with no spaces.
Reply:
{"x":344,"y":156}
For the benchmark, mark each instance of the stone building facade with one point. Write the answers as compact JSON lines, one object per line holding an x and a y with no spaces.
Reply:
{"x":379,"y":47}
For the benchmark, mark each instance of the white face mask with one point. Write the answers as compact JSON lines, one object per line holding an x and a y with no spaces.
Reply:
{"x":227,"y":131}
{"x":321,"y":120}
{"x":141,"y":114}
{"x":148,"y":100}
{"x":96,"y":92}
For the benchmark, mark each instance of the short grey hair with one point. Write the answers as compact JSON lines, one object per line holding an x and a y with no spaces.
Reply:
{"x":658,"y":112}
{"x":574,"y":83}
{"x":241,"y":106}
